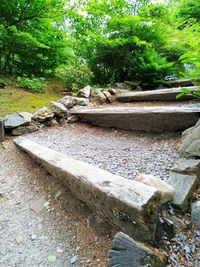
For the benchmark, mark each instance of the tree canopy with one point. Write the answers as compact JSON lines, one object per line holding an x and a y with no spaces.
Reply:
{"x":114,"y":40}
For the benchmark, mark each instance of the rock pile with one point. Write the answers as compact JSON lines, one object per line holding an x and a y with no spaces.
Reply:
{"x":185,"y":175}
{"x":25,"y":122}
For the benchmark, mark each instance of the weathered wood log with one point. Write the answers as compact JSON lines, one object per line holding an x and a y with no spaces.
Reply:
{"x":126,"y":252}
{"x":129,"y":205}
{"x":2,"y":131}
{"x":148,"y":119}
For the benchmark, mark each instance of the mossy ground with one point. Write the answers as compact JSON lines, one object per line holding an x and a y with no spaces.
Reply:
{"x":13,"y":99}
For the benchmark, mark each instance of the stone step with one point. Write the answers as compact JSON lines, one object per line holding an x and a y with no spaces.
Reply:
{"x":128,"y":205}
{"x":148,"y":119}
{"x":181,"y":83}
{"x":155,"y":95}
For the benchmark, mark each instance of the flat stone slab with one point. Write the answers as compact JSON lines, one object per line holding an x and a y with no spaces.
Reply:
{"x":155,"y":95}
{"x":184,"y":185}
{"x":148,"y":119}
{"x":129,"y":205}
{"x":181,"y":83}
{"x":187,"y":166}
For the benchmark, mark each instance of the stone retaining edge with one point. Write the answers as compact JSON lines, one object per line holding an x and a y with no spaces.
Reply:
{"x":131,"y":206}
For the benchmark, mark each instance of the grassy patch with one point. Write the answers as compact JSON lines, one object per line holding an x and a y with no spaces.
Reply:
{"x":13,"y":99}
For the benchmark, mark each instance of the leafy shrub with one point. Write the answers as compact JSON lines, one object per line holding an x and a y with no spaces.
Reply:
{"x":33,"y":84}
{"x":75,"y":76}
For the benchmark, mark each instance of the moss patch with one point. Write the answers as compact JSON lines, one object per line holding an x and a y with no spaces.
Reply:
{"x":13,"y":99}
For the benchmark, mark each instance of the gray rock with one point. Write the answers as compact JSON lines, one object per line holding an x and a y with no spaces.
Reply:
{"x":126,"y":252}
{"x":187,"y":166}
{"x":85,"y":92}
{"x":191,"y":144}
{"x":132,"y":85}
{"x":68,"y":101}
{"x":58,"y":109}
{"x":167,"y":191}
{"x":112,"y":91}
{"x":73,"y":119}
{"x":53,"y":122}
{"x":33,"y":237}
{"x":18,"y":119}
{"x":108,"y":96}
{"x":195,"y":213}
{"x":2,"y":131}
{"x":80,"y":101}
{"x":184,"y":185}
{"x":43,"y":114}
{"x":100,"y":97}
{"x":190,"y":130}
{"x":25,"y":129}
{"x":73,"y":260}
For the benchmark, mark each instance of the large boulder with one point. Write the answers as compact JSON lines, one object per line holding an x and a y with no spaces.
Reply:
{"x":126,"y":252}
{"x":68,"y":101}
{"x":2,"y":131}
{"x":190,"y":130}
{"x":43,"y":114}
{"x":18,"y":119}
{"x":25,"y":129}
{"x":167,"y":191}
{"x":184,"y":185}
{"x":195,"y":213}
{"x":58,"y":109}
{"x":191,"y":144}
{"x":85,"y":92}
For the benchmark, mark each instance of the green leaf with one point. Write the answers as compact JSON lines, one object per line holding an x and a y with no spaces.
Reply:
{"x":51,"y":258}
{"x":178,"y":96}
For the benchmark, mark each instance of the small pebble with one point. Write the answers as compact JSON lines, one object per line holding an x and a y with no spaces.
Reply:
{"x":182,"y":237}
{"x":33,"y":237}
{"x":73,"y":260}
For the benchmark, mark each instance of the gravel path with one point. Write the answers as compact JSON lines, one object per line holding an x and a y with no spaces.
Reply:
{"x":120,"y":152}
{"x":41,"y":224}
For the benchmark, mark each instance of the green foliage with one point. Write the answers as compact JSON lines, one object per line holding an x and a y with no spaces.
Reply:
{"x":101,"y":41}
{"x":33,"y":84}
{"x":76,"y":75}
{"x":190,"y":10}
{"x":31,"y":39}
{"x":192,"y":59}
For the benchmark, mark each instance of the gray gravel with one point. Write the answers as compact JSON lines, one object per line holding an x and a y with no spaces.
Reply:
{"x":29,"y":238}
{"x":120,"y":152}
